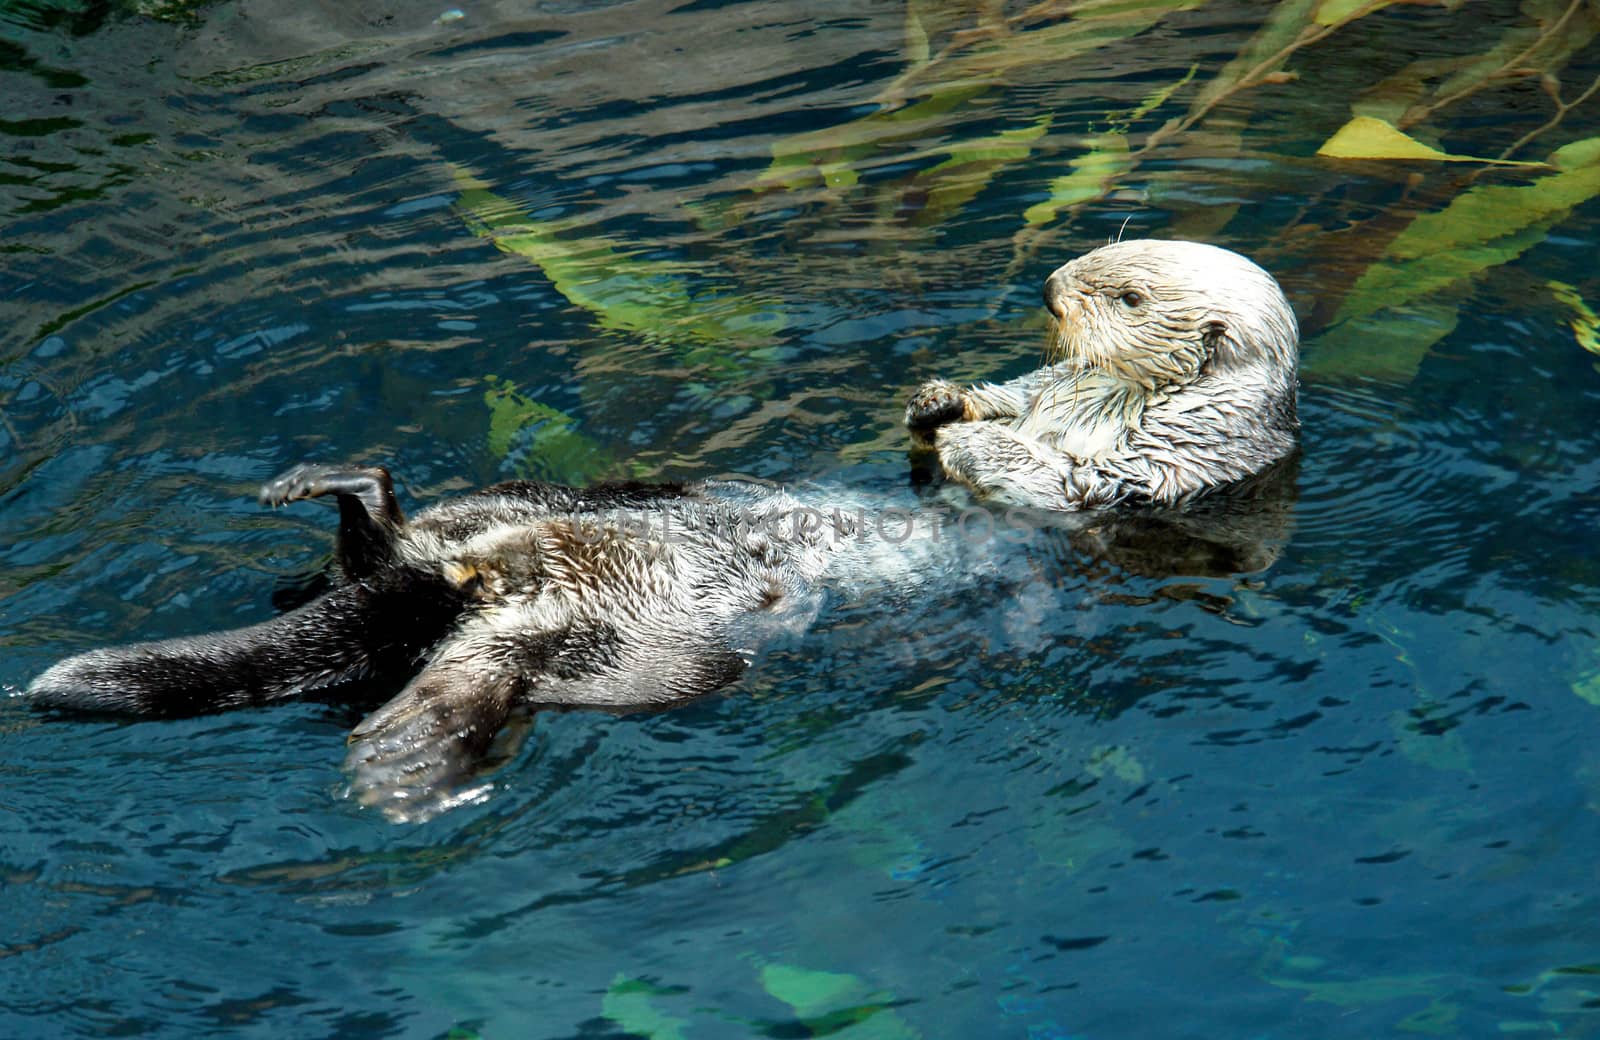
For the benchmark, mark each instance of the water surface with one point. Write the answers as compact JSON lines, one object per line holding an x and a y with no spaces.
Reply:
{"x":1352,"y":794}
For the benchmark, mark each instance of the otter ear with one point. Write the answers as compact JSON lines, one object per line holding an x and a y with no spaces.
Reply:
{"x":1214,"y":334}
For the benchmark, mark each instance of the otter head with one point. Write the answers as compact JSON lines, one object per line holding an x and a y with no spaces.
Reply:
{"x":1162,"y":314}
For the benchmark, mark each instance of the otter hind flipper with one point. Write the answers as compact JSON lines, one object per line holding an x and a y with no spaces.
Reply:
{"x":469,"y":711}
{"x":369,"y":515}
{"x":420,"y":753}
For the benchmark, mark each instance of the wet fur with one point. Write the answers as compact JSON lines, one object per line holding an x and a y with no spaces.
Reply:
{"x":520,"y":596}
{"x":1175,"y":372}
{"x":526,"y":595}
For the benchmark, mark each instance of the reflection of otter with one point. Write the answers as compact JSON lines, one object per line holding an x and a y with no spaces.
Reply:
{"x":1176,"y":375}
{"x":1236,"y":529}
{"x":526,"y":595}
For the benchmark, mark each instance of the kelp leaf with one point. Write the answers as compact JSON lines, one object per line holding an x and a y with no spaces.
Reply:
{"x":1387,"y":345}
{"x":1337,"y":12}
{"x":1365,"y":992}
{"x":828,"y":155}
{"x":925,"y":20}
{"x":1006,"y":146}
{"x":995,"y":56}
{"x":1482,"y":228}
{"x":1437,"y":1019}
{"x":810,"y":992}
{"x":1096,"y":171}
{"x":1402,"y":278}
{"x":1283,"y":26}
{"x":624,"y":292}
{"x":554,"y":448}
{"x":947,"y":187}
{"x":1367,"y":138}
{"x":1416,"y":91}
{"x":835,"y":1004}
{"x":917,"y":50}
{"x":945,"y":86}
{"x":1588,"y":688}
{"x":1092,"y":174}
{"x":1161,"y":95}
{"x":1582,"y":971}
{"x":628,"y":1003}
{"x":1585,"y":323}
{"x":1115,"y":760}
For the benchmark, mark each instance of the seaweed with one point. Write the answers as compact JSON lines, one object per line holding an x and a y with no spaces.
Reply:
{"x":1399,"y":222}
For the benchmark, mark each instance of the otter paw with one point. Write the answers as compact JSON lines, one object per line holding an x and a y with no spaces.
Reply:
{"x":311,"y":480}
{"x":934,"y":404}
{"x":303,"y":481}
{"x":430,"y":748}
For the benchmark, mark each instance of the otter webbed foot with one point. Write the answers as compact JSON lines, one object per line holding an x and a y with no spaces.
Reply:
{"x":369,"y":515}
{"x":371,"y":486}
{"x":935,"y":403}
{"x":425,"y":750}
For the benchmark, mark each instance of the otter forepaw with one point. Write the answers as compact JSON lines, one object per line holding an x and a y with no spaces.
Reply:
{"x":934,"y":404}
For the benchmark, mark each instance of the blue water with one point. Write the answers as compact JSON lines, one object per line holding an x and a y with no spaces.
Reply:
{"x":1353,"y":794}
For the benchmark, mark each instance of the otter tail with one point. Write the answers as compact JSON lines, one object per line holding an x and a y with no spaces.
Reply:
{"x":354,"y":632}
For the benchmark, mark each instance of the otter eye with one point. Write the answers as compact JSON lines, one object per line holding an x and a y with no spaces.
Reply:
{"x":1131,"y":299}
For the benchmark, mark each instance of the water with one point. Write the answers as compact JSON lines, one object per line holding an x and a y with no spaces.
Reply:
{"x":1351,"y":795}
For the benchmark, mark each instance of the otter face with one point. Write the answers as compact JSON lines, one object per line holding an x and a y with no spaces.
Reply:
{"x":1157,"y":314}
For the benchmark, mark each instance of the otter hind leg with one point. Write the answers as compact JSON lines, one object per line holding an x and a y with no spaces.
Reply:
{"x":419,"y":754}
{"x":369,"y":515}
{"x":468,"y":712}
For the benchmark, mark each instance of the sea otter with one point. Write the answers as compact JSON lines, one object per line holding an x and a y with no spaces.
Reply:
{"x":1178,"y":377}
{"x":519,"y":596}
{"x":1174,"y":373}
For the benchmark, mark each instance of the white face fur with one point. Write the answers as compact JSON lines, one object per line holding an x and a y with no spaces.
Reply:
{"x":1156,"y":314}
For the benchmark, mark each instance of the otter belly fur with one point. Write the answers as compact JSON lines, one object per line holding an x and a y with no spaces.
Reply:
{"x":1176,"y":376}
{"x":520,"y":596}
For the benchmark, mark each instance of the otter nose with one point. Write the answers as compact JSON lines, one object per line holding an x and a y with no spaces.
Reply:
{"x":1055,"y":295}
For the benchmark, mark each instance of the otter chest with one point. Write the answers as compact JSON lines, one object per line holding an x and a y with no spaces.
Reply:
{"x":1085,"y":419}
